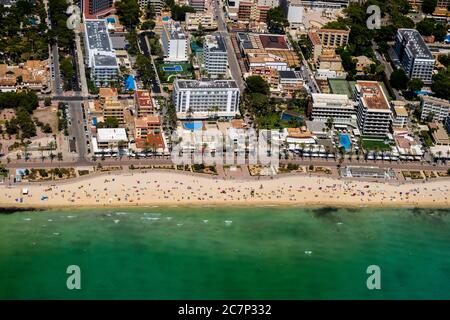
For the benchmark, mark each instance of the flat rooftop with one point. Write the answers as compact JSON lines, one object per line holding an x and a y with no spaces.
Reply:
{"x":111,"y":134}
{"x":330,"y":99}
{"x":174,"y":31}
{"x":143,"y":98}
{"x":217,"y":84}
{"x":215,"y":43}
{"x":262,"y":41}
{"x":414,"y":42}
{"x":372,"y":95}
{"x":101,"y":60}
{"x":289,"y":75}
{"x":97,"y":35}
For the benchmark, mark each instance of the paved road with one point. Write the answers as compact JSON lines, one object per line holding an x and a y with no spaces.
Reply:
{"x":144,"y":47}
{"x":387,"y":68}
{"x":232,"y":59}
{"x":125,"y":161}
{"x":77,"y":130}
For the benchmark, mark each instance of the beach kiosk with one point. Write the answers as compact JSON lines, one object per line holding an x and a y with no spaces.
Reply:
{"x":25,"y":191}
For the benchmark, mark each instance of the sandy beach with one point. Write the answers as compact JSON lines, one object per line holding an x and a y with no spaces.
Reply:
{"x":175,"y":189}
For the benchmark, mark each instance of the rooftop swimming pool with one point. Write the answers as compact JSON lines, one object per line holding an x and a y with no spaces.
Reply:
{"x":193,"y":125}
{"x":344,"y":139}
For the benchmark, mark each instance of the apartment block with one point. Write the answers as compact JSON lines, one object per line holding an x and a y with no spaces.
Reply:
{"x":196,"y":98}
{"x":146,"y":125}
{"x":252,"y":11}
{"x":399,"y":114}
{"x":144,"y":104}
{"x":433,"y":108}
{"x":333,"y":38}
{"x":174,"y":42}
{"x":157,"y":4}
{"x":215,"y":55}
{"x":414,"y":55}
{"x":373,"y":112}
{"x":205,"y":19}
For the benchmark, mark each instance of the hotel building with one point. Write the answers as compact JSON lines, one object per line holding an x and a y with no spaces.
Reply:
{"x":215,"y":55}
{"x":434,"y":108}
{"x":373,"y":112}
{"x":174,"y":42}
{"x":197,"y":98}
{"x":414,"y":55}
{"x":339,"y":107}
{"x":100,"y":56}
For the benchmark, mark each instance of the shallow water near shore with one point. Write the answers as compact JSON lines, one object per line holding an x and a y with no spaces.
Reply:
{"x":225,"y":253}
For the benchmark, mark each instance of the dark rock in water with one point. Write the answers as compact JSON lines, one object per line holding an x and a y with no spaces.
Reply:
{"x":12,"y":210}
{"x":324,"y":212}
{"x":435,"y":212}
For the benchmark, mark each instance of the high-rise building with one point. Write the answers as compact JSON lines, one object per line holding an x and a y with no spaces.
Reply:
{"x":414,"y":55}
{"x":199,"y":98}
{"x":174,"y":42}
{"x":100,"y":56}
{"x":373,"y":112}
{"x":215,"y":55}
{"x":94,"y":8}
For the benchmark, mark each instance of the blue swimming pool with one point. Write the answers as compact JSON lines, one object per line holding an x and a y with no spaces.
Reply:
{"x":288,"y":117}
{"x":193,"y":125}
{"x":176,"y":68}
{"x":344,"y":139}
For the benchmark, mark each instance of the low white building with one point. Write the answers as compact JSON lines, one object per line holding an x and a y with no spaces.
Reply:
{"x":110,"y":140}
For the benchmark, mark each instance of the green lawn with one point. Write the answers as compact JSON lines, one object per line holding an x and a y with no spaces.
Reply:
{"x":273,"y":121}
{"x":165,"y":75}
{"x":373,"y":144}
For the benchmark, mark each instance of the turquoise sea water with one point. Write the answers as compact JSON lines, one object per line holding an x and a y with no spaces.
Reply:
{"x":232,"y":253}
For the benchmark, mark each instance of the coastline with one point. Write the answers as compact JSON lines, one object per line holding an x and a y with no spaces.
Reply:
{"x":172,"y":189}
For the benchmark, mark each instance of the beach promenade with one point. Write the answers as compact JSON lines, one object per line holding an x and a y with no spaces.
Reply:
{"x":166,"y":188}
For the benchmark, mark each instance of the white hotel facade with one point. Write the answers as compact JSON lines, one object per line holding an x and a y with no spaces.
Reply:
{"x":199,"y":99}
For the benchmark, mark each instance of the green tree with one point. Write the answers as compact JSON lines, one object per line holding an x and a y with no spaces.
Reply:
{"x":415,"y":85}
{"x":441,"y":84}
{"x":426,"y":26}
{"x":399,"y":79}
{"x":129,"y":13}
{"x":256,"y":84}
{"x":276,"y":19}
{"x":428,"y":6}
